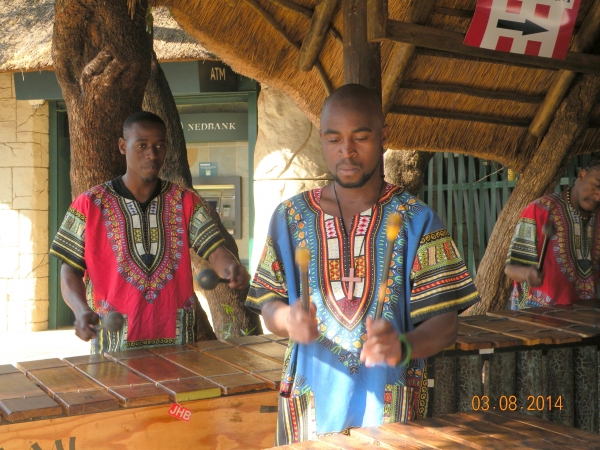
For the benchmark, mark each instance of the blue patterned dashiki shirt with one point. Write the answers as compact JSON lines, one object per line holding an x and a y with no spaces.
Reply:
{"x":325,"y":387}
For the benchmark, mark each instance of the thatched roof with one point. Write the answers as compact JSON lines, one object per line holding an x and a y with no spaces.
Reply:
{"x":446,"y":102}
{"x":26,"y":36}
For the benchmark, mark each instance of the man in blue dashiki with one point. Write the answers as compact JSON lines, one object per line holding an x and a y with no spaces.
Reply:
{"x":342,"y":369}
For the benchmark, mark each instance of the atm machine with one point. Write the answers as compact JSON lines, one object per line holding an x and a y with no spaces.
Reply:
{"x":224,"y":195}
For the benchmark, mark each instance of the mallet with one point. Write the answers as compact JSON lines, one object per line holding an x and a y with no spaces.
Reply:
{"x":208,"y":279}
{"x":113,"y":321}
{"x":394,"y":224}
{"x":548,"y":230}
{"x":302,"y":259}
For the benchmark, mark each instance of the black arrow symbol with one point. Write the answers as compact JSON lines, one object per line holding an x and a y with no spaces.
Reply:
{"x":526,"y":28}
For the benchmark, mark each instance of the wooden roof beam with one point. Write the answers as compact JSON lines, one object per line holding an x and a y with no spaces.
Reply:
{"x":473,"y":92}
{"x":467,"y":117}
{"x":288,"y":5}
{"x":313,"y":42}
{"x":451,"y":41}
{"x":271,"y":20}
{"x":402,"y":53}
{"x":583,"y":40}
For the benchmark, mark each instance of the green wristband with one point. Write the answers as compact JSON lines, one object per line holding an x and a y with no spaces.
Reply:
{"x":405,"y":348}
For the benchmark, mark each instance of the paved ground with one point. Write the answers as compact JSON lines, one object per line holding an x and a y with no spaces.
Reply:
{"x":30,"y":346}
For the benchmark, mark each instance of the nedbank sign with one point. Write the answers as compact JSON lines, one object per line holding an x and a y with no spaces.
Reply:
{"x":215,"y":127}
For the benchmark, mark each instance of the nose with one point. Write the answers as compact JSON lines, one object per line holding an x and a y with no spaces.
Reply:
{"x":347,"y":148}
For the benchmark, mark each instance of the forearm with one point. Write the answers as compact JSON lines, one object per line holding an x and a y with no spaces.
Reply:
{"x":433,"y":335}
{"x":73,"y":290}
{"x":275,"y":315}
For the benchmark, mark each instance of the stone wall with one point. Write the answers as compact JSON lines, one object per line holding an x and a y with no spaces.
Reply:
{"x":23,"y":212}
{"x":287,"y":159}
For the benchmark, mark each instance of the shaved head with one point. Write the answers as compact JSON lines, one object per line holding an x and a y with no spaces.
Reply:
{"x":353,"y":97}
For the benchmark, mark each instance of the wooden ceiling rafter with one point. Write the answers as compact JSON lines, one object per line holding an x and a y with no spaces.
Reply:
{"x":315,"y":38}
{"x":473,"y":92}
{"x":289,"y":5}
{"x":583,"y":40}
{"x":271,"y":20}
{"x":467,"y":117}
{"x":451,"y":41}
{"x":402,"y":53}
{"x":446,"y":54}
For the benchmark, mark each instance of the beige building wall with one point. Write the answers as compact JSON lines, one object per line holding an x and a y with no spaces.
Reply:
{"x":23,"y":212}
{"x":287,"y":160}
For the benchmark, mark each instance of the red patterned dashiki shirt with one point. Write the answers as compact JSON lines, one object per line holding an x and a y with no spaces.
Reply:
{"x":135,"y":259}
{"x":572,"y":261}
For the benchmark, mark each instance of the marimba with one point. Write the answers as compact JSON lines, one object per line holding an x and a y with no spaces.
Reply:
{"x":479,"y":430}
{"x":541,"y":361}
{"x":201,"y":395}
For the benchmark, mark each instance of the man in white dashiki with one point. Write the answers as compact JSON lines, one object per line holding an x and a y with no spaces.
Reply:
{"x":129,"y":238}
{"x":342,"y":369}
{"x":572,"y":263}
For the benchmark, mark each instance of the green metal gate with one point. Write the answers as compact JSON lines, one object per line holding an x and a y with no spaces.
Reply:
{"x":468,"y":194}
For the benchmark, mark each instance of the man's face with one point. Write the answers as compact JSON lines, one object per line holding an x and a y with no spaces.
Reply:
{"x":353,"y":140}
{"x":588,"y":189}
{"x":145,"y":148}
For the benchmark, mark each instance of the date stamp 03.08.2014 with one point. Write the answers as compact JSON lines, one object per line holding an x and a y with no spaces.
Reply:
{"x":511,"y":403}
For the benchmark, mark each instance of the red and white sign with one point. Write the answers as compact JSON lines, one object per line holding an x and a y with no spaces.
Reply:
{"x":180,"y":412}
{"x":529,"y":27}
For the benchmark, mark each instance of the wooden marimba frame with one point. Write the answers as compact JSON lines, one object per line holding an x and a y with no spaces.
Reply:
{"x":540,"y":361}
{"x":472,"y":430}
{"x":200,"y":395}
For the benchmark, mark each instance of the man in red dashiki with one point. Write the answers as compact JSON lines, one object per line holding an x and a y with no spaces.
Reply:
{"x":129,"y":239}
{"x":572,"y":263}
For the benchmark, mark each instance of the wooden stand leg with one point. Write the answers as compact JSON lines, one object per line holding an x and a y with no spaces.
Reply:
{"x":469,"y":381}
{"x":585,"y":363}
{"x":530,"y":380}
{"x":501,"y":376}
{"x":560,"y":383}
{"x":444,"y":398}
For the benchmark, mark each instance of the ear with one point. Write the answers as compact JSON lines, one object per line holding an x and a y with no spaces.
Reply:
{"x":122,"y":146}
{"x":581,"y":175}
{"x":384,"y":136}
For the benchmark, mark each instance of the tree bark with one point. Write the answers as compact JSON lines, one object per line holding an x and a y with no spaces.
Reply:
{"x":102,"y":62}
{"x":406,"y":168}
{"x":539,"y":177}
{"x":226,"y":305}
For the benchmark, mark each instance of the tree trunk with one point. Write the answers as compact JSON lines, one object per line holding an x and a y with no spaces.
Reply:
{"x":406,"y":168}
{"x":540,"y":176}
{"x":226,"y":305}
{"x":102,"y":60}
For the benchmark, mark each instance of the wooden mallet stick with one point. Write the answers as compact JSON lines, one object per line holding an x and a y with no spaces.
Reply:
{"x":302,"y":259}
{"x":394,"y":225}
{"x":548,"y":230}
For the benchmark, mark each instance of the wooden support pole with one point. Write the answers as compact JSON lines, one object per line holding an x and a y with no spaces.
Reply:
{"x":311,"y":46}
{"x":377,"y":14}
{"x":583,"y":40}
{"x":451,"y":41}
{"x":362,"y":60}
{"x":401,"y":57}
